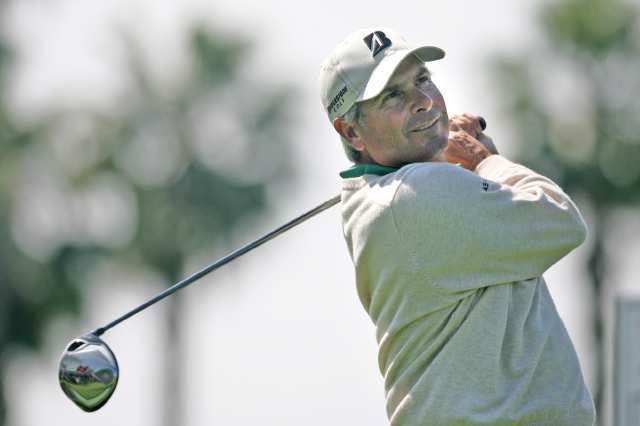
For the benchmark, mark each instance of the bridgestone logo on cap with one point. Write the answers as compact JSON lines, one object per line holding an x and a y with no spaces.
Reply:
{"x":337,"y":100}
{"x":376,"y":42}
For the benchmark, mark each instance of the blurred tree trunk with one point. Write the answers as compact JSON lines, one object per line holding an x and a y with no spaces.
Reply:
{"x":596,"y":266}
{"x":3,"y":407}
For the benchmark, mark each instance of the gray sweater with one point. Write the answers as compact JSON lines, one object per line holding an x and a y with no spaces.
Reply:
{"x":449,"y":267}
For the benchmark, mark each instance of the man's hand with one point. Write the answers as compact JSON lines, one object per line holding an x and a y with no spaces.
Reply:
{"x":471,"y":124}
{"x":465,"y":149}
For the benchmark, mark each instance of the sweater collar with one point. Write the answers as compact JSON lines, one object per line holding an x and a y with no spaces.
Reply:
{"x":358,"y":170}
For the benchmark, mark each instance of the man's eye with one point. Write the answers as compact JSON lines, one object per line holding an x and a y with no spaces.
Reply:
{"x":424,"y":79}
{"x":392,"y":94}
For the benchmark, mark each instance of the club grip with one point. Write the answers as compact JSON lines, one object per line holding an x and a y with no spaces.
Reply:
{"x":483,"y":122}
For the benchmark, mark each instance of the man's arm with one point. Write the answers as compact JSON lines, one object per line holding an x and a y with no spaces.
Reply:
{"x":506,"y":223}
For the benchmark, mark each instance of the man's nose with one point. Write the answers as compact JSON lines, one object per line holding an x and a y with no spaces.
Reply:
{"x":422,"y":101}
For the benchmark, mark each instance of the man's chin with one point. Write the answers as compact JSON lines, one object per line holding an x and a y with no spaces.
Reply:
{"x":439,"y":157}
{"x":435,"y":149}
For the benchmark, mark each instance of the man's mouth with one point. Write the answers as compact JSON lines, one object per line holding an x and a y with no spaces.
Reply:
{"x":426,"y":126}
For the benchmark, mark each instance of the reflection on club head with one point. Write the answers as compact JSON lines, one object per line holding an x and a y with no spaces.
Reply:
{"x":88,"y":372}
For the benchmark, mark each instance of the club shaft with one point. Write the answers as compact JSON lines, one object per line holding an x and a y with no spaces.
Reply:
{"x":223,"y":261}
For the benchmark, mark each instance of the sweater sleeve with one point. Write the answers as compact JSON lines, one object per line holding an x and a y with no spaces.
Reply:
{"x":467,"y":230}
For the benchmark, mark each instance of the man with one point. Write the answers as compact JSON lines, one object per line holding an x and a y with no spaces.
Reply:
{"x":449,"y":241}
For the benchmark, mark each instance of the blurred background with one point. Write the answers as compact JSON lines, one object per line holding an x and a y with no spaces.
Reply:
{"x":141,"y":140}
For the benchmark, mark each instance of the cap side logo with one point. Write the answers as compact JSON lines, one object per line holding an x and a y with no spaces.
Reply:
{"x":376,"y":42}
{"x":337,"y":101}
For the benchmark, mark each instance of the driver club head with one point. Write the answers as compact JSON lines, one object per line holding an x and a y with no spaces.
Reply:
{"x":88,"y":372}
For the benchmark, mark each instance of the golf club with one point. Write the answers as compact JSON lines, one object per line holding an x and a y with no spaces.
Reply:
{"x":88,"y":371}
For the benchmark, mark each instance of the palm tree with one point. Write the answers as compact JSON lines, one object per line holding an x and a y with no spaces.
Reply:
{"x":176,"y":170}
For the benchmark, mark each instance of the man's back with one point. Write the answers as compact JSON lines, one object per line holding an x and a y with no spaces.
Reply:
{"x":449,"y":267}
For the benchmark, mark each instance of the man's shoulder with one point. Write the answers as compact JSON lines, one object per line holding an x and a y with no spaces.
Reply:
{"x":433,"y":186}
{"x":425,"y":180}
{"x":412,"y":171}
{"x":430,"y":176}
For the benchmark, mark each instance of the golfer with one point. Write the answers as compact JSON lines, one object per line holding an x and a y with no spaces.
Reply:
{"x":450,"y":240}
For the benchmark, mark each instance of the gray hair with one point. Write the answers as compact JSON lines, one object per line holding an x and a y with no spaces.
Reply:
{"x":353,"y":115}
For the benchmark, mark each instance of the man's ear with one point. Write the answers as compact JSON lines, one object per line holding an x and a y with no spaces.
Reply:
{"x":349,"y":133}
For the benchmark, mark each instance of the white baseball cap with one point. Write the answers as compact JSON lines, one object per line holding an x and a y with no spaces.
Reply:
{"x":361,"y":65}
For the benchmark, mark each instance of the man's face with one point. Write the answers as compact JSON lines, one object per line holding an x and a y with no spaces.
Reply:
{"x":408,"y":121}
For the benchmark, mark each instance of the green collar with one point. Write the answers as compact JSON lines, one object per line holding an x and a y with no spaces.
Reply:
{"x":358,"y":170}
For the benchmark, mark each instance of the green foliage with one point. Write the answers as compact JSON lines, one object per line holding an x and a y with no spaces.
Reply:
{"x":37,"y":293}
{"x":179,"y":171}
{"x":5,"y":58}
{"x":593,"y":26}
{"x":216,"y":59}
{"x":591,"y":142}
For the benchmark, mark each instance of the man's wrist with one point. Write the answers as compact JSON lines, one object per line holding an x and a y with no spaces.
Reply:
{"x":480,"y":157}
{"x":488,"y":161}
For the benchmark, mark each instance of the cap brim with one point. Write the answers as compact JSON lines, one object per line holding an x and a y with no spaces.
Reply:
{"x":382,"y":73}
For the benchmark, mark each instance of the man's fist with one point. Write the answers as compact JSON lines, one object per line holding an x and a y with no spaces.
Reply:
{"x":465,"y":149}
{"x":467,"y":122}
{"x":471,"y":124}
